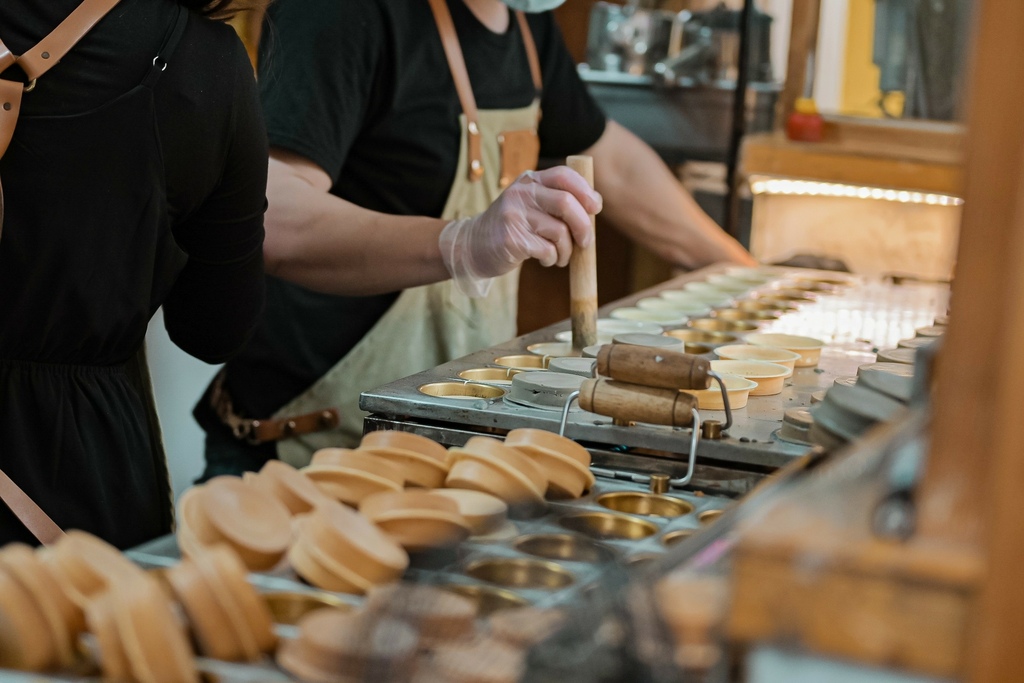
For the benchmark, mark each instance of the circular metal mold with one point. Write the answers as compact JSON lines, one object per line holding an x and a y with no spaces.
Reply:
{"x":673,"y":538}
{"x":584,"y":367}
{"x":488,"y":600}
{"x":521,"y":573}
{"x":565,"y":547}
{"x":555,"y":349}
{"x":287,"y":607}
{"x":523,"y":361}
{"x":814,"y":286}
{"x":544,"y":389}
{"x":662,"y":318}
{"x":933,"y":331}
{"x":697,"y":349}
{"x":722,"y":325}
{"x":658,"y":341}
{"x":495,"y":375}
{"x":640,"y":560}
{"x":763,"y":305}
{"x":892,"y":379}
{"x":897,"y":356}
{"x":608,"y":525}
{"x":741,"y":314}
{"x":793,"y":298}
{"x":703,"y":337}
{"x":709,"y":516}
{"x":648,"y":504}
{"x":462,"y":390}
{"x":914,"y":342}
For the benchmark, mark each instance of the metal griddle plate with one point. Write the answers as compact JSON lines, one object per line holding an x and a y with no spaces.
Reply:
{"x":854,"y":322}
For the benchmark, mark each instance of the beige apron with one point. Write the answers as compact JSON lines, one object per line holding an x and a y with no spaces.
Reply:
{"x":433,"y":324}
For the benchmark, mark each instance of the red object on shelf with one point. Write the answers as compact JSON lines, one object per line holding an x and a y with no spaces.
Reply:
{"x":805,"y":123}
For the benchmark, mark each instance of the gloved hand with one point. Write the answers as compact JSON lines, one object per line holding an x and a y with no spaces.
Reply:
{"x":538,"y":216}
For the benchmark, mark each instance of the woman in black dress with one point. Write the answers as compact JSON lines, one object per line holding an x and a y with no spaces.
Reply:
{"x":135,"y":178}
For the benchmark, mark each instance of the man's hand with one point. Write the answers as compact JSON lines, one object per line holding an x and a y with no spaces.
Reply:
{"x":541,"y":215}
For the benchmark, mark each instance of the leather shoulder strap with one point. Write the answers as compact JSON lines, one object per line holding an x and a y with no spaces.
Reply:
{"x":51,"y":49}
{"x":28,"y":513}
{"x":41,"y":58}
{"x":531,"y":52}
{"x":457,"y":65}
{"x":7,"y":58}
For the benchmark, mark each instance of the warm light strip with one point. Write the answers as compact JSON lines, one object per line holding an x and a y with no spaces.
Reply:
{"x":810,"y":188}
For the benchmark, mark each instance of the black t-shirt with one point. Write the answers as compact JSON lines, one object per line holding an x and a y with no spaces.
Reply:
{"x":362,"y":88}
{"x":214,"y":152}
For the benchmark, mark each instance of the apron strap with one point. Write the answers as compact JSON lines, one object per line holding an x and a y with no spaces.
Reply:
{"x":41,"y":58}
{"x":28,"y":512}
{"x":531,"y":53}
{"x":457,"y":66}
{"x":51,"y":49}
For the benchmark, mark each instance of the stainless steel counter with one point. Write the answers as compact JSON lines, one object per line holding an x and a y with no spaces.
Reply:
{"x":855,"y":323}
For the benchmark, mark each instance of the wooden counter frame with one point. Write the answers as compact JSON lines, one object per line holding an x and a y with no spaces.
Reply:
{"x":970,"y":515}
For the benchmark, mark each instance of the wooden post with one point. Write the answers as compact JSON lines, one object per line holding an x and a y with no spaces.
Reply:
{"x":803,"y":41}
{"x":971,"y":491}
{"x":583,"y":273}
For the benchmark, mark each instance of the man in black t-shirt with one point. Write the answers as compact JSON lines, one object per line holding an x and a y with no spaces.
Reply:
{"x":363,"y":118}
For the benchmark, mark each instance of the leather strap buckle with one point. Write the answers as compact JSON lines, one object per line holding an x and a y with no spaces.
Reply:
{"x":256,"y":432}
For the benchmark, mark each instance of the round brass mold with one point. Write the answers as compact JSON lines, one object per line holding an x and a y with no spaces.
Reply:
{"x":648,"y":504}
{"x":607,"y":525}
{"x":676,"y":537}
{"x":791,"y":299}
{"x":697,"y":349}
{"x":709,"y":516}
{"x":740,"y":314}
{"x":521,"y":573}
{"x":523,"y":361}
{"x":722,"y":325}
{"x":763,"y":304}
{"x":488,"y":600}
{"x":460,"y":390}
{"x":489,"y":374}
{"x":816,"y":286}
{"x":287,"y":607}
{"x":564,"y":547}
{"x":703,"y":337}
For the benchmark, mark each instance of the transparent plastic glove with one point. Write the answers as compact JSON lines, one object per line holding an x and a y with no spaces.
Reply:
{"x":538,"y":216}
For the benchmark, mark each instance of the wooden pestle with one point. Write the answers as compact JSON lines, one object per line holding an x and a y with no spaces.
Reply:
{"x":583,"y":273}
{"x":653,"y":367}
{"x":637,"y":403}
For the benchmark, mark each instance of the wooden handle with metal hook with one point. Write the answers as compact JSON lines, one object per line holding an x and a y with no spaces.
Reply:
{"x":583,"y":273}
{"x":636,"y":403}
{"x":653,"y":367}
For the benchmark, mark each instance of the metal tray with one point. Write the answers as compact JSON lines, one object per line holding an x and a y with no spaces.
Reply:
{"x":855,"y":322}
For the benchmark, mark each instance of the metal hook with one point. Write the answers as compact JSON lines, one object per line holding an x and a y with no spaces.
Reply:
{"x":565,"y":411}
{"x":646,"y":478}
{"x":725,"y":400}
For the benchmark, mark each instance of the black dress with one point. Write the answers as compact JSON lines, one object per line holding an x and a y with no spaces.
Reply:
{"x":136,"y":177}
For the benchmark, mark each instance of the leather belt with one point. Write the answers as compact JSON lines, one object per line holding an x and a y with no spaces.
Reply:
{"x":268,"y":430}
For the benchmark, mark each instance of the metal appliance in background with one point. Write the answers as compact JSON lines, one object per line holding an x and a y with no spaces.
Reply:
{"x":673,"y":78}
{"x":679,"y":47}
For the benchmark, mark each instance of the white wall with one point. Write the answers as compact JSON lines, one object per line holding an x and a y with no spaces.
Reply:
{"x":178,"y":382}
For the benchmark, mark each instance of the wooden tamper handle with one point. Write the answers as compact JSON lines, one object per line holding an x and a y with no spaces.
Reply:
{"x":635,"y":403}
{"x":653,"y":367}
{"x":583,"y":273}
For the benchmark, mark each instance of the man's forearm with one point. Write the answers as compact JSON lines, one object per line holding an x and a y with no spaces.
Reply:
{"x":646,"y":202}
{"x":330,"y":245}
